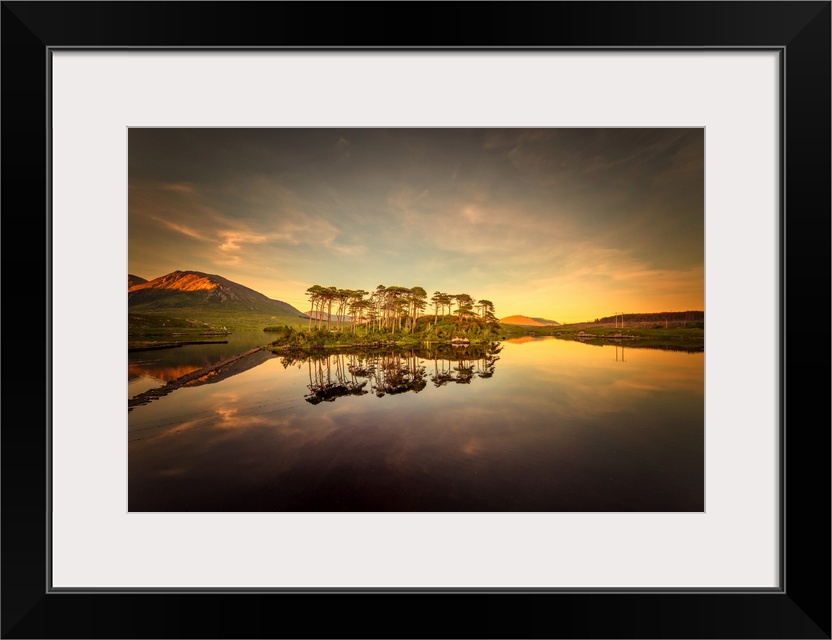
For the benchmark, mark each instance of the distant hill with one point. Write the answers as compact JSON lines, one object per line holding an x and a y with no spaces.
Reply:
{"x":547,"y":323}
{"x":656,"y":316}
{"x":193,"y":290}
{"x":132,"y":280}
{"x":526,"y":321}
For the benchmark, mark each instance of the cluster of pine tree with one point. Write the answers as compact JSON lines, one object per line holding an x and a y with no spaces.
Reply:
{"x":390,"y":308}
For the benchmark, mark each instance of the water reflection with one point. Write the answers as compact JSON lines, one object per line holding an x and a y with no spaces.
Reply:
{"x":392,"y":372}
{"x":151,"y":369}
{"x":557,"y":426}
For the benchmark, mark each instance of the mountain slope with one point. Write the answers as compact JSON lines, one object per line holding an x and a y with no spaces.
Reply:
{"x":132,"y":280}
{"x":526,"y":321}
{"x":182,"y":290}
{"x":548,"y":323}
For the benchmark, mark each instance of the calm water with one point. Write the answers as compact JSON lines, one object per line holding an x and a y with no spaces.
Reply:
{"x":150,"y":369}
{"x":538,"y":425}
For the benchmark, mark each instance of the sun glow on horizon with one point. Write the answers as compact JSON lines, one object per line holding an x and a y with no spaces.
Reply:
{"x":564,"y":224}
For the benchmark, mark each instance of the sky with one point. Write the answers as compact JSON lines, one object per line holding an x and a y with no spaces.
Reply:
{"x":565,"y":224}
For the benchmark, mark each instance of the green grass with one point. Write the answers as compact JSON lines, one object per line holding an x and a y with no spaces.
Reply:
{"x":199,"y":319}
{"x":293,"y":338}
{"x":160,"y":325}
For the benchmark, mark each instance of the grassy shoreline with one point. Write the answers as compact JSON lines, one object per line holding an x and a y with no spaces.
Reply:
{"x":296,"y":337}
{"x":369,"y":342}
{"x":444,"y":331}
{"x":689,"y":337}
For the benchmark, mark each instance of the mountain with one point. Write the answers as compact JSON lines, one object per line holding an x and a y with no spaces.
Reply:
{"x":182,"y":290}
{"x":547,"y":323}
{"x":132,"y":280}
{"x":526,"y":321}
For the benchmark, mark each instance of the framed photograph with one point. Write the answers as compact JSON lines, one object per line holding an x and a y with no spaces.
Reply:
{"x":361,"y":397}
{"x":461,"y":244}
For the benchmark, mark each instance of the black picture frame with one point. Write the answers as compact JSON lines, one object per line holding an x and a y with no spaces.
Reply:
{"x":799,"y":31}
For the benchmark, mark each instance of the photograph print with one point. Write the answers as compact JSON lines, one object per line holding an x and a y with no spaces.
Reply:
{"x":416,"y":319}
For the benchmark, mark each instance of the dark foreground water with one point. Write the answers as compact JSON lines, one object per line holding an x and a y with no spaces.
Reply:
{"x":534,"y":425}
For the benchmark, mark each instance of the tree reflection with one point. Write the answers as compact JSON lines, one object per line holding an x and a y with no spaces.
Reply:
{"x":331,"y":377}
{"x":394,"y":371}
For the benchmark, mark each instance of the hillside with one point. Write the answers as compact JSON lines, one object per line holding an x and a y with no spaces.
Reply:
{"x":672,"y":317}
{"x":547,"y":323}
{"x":132,"y":280}
{"x":526,"y":321}
{"x":193,"y":291}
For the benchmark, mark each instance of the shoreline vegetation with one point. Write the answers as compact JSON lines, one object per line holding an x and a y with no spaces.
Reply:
{"x":395,"y":316}
{"x":388,"y":316}
{"x":405,"y":317}
{"x":688,"y":337}
{"x":447,"y":330}
{"x":400,"y":318}
{"x":289,"y":339}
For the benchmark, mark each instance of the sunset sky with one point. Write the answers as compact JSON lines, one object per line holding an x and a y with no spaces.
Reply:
{"x":566,"y":224}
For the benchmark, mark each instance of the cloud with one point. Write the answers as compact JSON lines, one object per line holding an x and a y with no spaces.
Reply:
{"x":235,"y":221}
{"x":181,"y":228}
{"x":513,"y":138}
{"x":231,"y":261}
{"x":233,"y":239}
{"x":345,"y":249}
{"x":185,"y":188}
{"x":343,"y":145}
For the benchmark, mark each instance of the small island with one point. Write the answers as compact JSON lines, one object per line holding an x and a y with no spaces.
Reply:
{"x":388,"y":316}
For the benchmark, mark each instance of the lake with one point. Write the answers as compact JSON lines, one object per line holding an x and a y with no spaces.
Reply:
{"x":532,"y":424}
